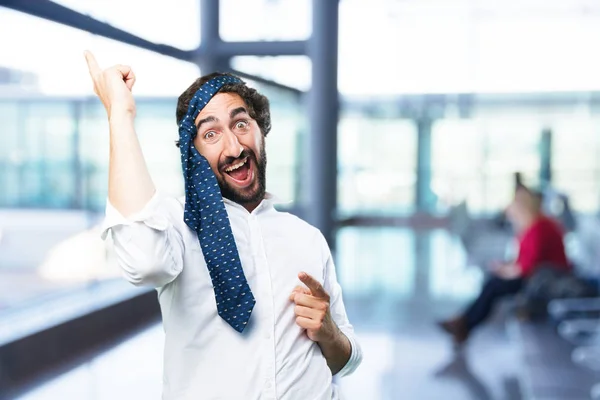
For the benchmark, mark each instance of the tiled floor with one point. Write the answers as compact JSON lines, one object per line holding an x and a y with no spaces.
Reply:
{"x":396,"y":284}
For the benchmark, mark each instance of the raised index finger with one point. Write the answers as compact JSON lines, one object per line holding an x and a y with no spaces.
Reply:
{"x":92,"y":63}
{"x":314,"y":285}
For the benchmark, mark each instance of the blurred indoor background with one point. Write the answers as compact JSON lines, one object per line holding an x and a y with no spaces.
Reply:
{"x":398,"y":127}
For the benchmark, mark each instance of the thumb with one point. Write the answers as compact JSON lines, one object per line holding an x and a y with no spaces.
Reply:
{"x":299,"y":289}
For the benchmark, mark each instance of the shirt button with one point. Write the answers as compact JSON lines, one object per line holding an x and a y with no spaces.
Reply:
{"x":267,"y":335}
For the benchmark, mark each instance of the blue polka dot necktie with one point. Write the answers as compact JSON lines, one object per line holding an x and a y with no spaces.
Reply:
{"x":205,"y":213}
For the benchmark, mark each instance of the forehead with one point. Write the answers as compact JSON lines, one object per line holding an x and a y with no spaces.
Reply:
{"x":221,"y":104}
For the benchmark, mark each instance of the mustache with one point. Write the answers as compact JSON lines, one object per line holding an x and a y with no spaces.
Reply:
{"x":231,"y":160}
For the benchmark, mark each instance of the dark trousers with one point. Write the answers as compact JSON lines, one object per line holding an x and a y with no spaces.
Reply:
{"x":492,"y":291}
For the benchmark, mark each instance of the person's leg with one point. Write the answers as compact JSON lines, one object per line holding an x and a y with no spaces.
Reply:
{"x":494,"y":289}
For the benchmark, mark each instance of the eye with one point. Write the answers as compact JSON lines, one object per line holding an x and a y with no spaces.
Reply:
{"x":210,"y":135}
{"x":241,"y":124}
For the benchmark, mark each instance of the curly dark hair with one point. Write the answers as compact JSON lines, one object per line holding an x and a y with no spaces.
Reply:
{"x":258,"y":105}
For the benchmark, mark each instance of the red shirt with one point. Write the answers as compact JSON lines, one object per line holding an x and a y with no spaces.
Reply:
{"x":541,"y":243}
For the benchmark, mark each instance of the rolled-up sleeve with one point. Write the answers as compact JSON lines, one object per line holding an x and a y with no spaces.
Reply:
{"x":147,"y":245}
{"x":338,"y":313}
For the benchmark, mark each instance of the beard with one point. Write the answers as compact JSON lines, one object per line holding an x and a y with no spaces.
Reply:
{"x":257,"y":189}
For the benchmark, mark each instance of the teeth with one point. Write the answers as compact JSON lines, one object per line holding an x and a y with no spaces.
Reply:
{"x":236,"y":166}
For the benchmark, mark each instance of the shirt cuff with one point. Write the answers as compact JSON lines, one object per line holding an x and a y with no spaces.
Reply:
{"x":355,"y":356}
{"x":148,"y":215}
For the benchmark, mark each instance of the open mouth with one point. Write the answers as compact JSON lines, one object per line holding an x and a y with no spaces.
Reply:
{"x":241,"y":172}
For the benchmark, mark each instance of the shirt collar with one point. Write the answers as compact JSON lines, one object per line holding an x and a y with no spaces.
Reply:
{"x":268,"y":201}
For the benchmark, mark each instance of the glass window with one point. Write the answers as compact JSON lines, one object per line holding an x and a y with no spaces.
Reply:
{"x":55,"y":150}
{"x":94,"y":152}
{"x":392,"y":250}
{"x":436,"y":60}
{"x":476,"y":46}
{"x":48,"y":144}
{"x":174,"y":23}
{"x":38,"y":155}
{"x":294,"y":71}
{"x":285,"y":141}
{"x":157,"y":132}
{"x":57,"y":66}
{"x":11,"y":157}
{"x":457,"y":161}
{"x":254,"y":20}
{"x":576,"y":161}
{"x":512,"y":145}
{"x":377,"y":165}
{"x":450,"y":276}
{"x":475,"y":159}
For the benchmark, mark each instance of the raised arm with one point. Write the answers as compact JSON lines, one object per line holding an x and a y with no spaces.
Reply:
{"x":130,"y":186}
{"x":148,"y":247}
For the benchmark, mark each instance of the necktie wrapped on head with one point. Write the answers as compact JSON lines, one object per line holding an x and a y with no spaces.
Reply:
{"x":205,"y":213}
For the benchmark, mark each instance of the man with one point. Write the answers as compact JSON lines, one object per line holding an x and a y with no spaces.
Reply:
{"x":540,"y":244}
{"x":249,"y":297}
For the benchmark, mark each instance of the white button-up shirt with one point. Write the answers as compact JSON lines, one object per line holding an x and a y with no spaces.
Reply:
{"x":204,"y":357}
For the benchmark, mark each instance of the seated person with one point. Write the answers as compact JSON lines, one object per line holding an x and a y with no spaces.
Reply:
{"x":540,"y":243}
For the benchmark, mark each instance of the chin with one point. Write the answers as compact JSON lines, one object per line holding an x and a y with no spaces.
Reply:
{"x":250,"y":194}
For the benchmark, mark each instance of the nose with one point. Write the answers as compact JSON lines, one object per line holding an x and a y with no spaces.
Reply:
{"x":233,"y":148}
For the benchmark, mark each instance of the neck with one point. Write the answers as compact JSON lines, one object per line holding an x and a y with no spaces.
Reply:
{"x":529,"y":220}
{"x":251,"y":206}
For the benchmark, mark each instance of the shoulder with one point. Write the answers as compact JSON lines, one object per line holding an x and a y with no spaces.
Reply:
{"x":549,"y":224}
{"x":168,"y":206}
{"x":546,"y":227}
{"x":173,"y":204}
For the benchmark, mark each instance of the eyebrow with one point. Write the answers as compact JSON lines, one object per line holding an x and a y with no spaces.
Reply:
{"x":205,"y":120}
{"x":237,"y":111}
{"x":233,"y":113}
